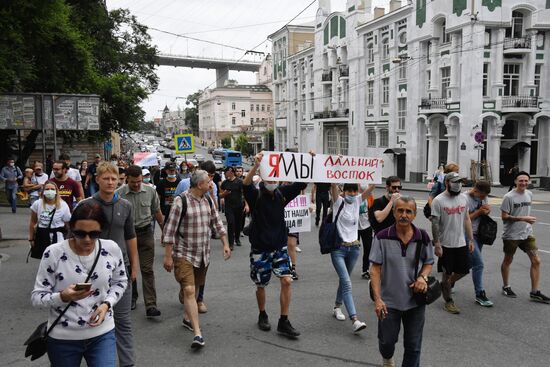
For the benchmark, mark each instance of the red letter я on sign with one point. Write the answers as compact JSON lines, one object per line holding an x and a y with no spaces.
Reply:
{"x":274,"y":160}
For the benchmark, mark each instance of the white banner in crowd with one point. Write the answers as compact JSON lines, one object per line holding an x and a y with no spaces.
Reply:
{"x":145,"y":159}
{"x":297,"y":215}
{"x":302,"y":167}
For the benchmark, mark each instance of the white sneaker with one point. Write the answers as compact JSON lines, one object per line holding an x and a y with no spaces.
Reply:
{"x":388,"y":362}
{"x":339,"y":314}
{"x":298,"y":250}
{"x":358,"y":326}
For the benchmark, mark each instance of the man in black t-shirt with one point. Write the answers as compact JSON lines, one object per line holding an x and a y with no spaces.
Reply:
{"x":232,"y":193}
{"x":380,"y":213}
{"x":320,"y":196}
{"x":166,"y":188}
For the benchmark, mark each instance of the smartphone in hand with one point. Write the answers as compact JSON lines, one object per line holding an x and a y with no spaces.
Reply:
{"x":83,"y":286}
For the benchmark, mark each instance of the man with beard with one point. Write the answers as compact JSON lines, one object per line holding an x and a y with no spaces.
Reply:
{"x":450,"y":224}
{"x":69,"y":189}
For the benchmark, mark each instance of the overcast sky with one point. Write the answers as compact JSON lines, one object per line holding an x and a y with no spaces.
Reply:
{"x":239,"y":23}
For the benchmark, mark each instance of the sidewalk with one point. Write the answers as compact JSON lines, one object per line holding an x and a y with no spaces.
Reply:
{"x":14,"y":226}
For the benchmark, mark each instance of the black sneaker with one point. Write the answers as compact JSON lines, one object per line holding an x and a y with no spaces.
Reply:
{"x":508,"y":292}
{"x":238,"y":243}
{"x":539,"y":297}
{"x":263,"y":323}
{"x":365,"y":275}
{"x":134,"y":304}
{"x":187,"y":324}
{"x":198,"y":342}
{"x":482,"y":300}
{"x":293,"y":273}
{"x":152,"y":312}
{"x":285,"y":328}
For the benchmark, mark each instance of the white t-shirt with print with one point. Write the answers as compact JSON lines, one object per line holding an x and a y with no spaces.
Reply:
{"x":348,"y":221}
{"x":451,"y":211}
{"x":62,"y":215}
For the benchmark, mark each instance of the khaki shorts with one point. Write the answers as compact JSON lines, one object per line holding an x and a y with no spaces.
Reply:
{"x":187,"y":275}
{"x":528,"y":244}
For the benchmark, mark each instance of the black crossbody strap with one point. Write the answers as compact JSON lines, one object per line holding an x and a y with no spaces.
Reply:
{"x":70,"y":303}
{"x":339,"y":211}
{"x":419,"y":245}
{"x":51,"y":218}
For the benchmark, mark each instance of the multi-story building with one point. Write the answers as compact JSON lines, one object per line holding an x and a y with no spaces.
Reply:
{"x":173,"y":122}
{"x":418,"y":84}
{"x":234,"y":109}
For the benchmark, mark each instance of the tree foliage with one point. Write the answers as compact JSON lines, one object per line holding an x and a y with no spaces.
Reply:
{"x":78,"y":46}
{"x":226,"y":142}
{"x":241,"y":144}
{"x":192,"y":112}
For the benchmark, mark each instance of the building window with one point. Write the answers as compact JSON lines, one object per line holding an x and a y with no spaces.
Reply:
{"x":332,"y":141}
{"x":268,"y":108}
{"x":371,"y":138}
{"x":243,"y":113}
{"x":370,"y":93}
{"x":384,"y":138}
{"x":486,"y":79}
{"x":233,"y":120}
{"x":403,"y":70}
{"x":257,"y":107}
{"x":251,"y":107}
{"x":538,"y":71}
{"x":263,"y":107}
{"x":445,"y":37}
{"x":401,"y":113}
{"x":428,"y":53}
{"x":233,"y":105}
{"x":428,"y":79}
{"x":516,"y":30}
{"x":511,"y":79}
{"x":370,"y":53}
{"x":257,"y":119}
{"x":445,"y":80}
{"x":385,"y":49}
{"x":251,"y":121}
{"x":385,"y":90}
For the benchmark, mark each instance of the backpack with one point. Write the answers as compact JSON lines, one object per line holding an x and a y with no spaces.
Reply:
{"x":184,"y":208}
{"x":487,"y":230}
{"x":427,"y":208}
{"x":329,"y":237}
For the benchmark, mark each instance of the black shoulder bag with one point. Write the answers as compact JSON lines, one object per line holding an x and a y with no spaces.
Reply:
{"x":41,"y":240}
{"x":329,"y":237}
{"x":37,"y":343}
{"x":434,"y":287}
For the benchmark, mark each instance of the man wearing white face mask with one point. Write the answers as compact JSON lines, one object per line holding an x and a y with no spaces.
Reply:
{"x":450,"y":220}
{"x":268,"y":237}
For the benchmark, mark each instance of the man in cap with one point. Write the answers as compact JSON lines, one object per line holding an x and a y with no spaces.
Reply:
{"x":451,"y":226}
{"x":166,"y":188}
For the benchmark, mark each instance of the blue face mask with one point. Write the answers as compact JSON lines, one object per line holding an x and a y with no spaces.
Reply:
{"x":349,"y":199}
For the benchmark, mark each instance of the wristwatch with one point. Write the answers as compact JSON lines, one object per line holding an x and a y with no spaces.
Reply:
{"x":108,"y":304}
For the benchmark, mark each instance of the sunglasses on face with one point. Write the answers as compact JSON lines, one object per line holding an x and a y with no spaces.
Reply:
{"x":396,"y":187}
{"x":82,"y":234}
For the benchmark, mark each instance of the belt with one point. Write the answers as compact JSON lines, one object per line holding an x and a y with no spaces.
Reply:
{"x":351,"y":244}
{"x":144,"y":228}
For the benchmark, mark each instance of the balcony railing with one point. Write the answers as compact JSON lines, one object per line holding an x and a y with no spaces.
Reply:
{"x":326,"y":77}
{"x":331,"y":114}
{"x":519,"y":102}
{"x":517,"y":43}
{"x":433,"y":103}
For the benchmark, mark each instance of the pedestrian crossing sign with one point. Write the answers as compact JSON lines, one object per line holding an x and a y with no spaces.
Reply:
{"x":185,"y":143}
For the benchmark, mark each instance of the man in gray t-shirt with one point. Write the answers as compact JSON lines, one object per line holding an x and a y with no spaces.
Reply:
{"x":518,"y":232}
{"x":450,"y":224}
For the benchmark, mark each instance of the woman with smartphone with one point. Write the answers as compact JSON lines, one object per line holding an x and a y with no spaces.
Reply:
{"x":89,"y":274}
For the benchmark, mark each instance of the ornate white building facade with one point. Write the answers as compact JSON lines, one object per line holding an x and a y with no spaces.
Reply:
{"x":415,"y":85}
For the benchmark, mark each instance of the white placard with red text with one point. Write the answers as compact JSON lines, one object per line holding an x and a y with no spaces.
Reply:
{"x":303,"y":167}
{"x":297,"y":215}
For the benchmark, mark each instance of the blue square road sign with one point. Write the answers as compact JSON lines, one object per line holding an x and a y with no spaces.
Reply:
{"x":185,"y":143}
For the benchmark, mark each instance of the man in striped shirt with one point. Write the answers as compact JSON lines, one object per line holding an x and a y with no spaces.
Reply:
{"x":187,"y":245}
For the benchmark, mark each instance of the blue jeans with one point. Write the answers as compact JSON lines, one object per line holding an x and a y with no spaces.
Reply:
{"x":413,"y":325}
{"x":99,"y":351}
{"x":12,"y":198}
{"x":93,"y":188}
{"x":477,"y":266}
{"x":344,"y":260}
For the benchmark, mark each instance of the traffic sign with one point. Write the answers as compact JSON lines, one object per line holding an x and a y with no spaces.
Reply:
{"x":479,"y":137}
{"x":185,"y":143}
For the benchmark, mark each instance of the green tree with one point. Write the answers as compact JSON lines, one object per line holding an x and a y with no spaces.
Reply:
{"x":192,"y":112}
{"x":226,"y":142}
{"x":77,"y":46}
{"x":241,"y":144}
{"x":270,"y":140}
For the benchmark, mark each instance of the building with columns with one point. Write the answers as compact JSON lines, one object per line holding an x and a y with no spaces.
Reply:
{"x":416,"y":85}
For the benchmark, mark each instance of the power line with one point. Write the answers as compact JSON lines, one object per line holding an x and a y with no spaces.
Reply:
{"x":196,"y":39}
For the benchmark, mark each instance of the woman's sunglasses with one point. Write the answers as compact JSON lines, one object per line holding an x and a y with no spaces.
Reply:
{"x":82,"y":234}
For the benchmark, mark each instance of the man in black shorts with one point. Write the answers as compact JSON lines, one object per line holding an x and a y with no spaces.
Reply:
{"x":450,"y":220}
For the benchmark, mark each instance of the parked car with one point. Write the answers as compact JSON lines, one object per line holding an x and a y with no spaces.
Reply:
{"x":199,"y":157}
{"x":218,"y":164}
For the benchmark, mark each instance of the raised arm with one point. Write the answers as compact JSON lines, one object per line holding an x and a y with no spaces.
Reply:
{"x":365,"y":194}
{"x":334,"y":192}
{"x":257,"y":161}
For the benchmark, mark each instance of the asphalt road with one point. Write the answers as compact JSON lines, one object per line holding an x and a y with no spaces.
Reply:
{"x":515,"y":332}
